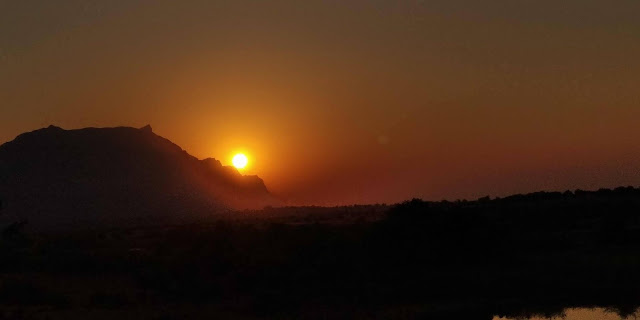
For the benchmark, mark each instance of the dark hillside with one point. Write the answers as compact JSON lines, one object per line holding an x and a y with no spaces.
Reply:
{"x":520,"y":255}
{"x":57,"y":178}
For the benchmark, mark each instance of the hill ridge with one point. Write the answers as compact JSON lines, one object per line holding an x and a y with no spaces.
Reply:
{"x":91,"y":174}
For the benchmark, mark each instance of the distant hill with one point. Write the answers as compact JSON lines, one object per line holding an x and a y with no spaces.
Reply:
{"x":56,"y":178}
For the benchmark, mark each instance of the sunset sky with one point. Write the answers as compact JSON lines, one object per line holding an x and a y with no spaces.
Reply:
{"x":339,"y":102}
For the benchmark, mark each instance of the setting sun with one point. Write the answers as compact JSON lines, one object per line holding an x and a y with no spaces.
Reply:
{"x":240,"y":161}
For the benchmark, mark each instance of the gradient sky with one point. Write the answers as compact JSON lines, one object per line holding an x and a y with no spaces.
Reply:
{"x":340,"y":102}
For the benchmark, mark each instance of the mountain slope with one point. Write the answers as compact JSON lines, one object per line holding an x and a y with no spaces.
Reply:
{"x":57,"y":178}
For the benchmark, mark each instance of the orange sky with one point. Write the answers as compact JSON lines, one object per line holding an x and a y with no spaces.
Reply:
{"x":340,"y":102}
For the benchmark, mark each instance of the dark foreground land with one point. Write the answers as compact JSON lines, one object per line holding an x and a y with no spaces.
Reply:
{"x":516,"y":256}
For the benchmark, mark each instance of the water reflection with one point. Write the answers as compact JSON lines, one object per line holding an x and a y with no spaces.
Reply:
{"x":582,"y":314}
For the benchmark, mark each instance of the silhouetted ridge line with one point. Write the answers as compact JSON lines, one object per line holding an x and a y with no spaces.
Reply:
{"x":57,"y":177}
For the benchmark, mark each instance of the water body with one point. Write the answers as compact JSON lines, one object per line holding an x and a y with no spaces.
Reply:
{"x":583,"y":314}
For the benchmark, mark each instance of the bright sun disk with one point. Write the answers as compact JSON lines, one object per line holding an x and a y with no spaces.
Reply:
{"x":240,"y":161}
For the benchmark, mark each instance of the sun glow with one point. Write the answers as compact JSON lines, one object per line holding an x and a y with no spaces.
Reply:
{"x":240,"y":161}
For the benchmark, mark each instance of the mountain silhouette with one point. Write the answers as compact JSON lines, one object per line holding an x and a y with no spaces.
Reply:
{"x":56,"y":178}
